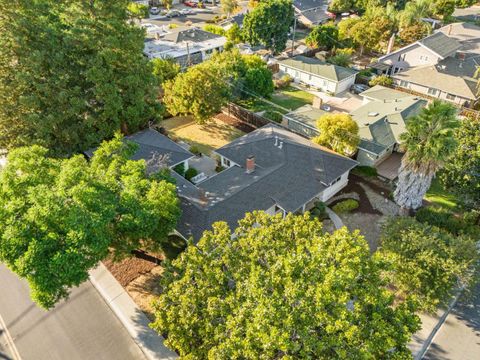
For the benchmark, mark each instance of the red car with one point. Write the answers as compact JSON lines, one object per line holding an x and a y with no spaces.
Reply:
{"x":330,"y":15}
{"x":190,"y":4}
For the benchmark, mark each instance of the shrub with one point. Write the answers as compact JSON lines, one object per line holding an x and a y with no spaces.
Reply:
{"x":424,"y":261}
{"x":365,"y":73}
{"x":283,"y":82}
{"x":273,"y":115}
{"x":345,"y":206}
{"x":195,"y":150}
{"x":180,"y":169}
{"x":215,"y":29}
{"x":219,"y":168}
{"x":444,"y":219}
{"x":346,"y":51}
{"x":367,"y":171}
{"x":190,"y":173}
{"x":320,"y":209}
{"x":383,"y":80}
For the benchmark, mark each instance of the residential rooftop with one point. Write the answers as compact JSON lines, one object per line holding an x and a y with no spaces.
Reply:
{"x":318,"y":67}
{"x":279,"y":169}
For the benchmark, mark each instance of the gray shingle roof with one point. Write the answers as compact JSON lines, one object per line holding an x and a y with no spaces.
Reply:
{"x":288,"y":177}
{"x":318,"y":67}
{"x":371,"y":146}
{"x":192,"y":35}
{"x":441,"y":44}
{"x":152,"y":147}
{"x":303,"y":5}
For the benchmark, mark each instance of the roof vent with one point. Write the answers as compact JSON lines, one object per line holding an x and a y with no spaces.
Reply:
{"x":280,"y":145}
{"x":250,"y":164}
{"x":373,"y":113}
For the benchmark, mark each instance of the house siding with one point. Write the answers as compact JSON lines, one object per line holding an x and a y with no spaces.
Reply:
{"x":410,"y":56}
{"x":316,"y":81}
{"x":442,"y":95}
{"x":333,"y":189}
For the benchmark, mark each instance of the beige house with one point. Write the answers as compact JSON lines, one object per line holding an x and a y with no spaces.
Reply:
{"x":441,"y":65}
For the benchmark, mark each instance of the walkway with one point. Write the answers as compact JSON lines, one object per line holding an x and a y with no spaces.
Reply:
{"x":389,"y":168}
{"x":337,"y":222}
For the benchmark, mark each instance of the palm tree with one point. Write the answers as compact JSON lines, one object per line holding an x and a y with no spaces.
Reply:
{"x":428,"y":143}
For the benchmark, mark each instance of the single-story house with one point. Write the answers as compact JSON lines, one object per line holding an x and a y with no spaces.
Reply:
{"x":186,"y":46}
{"x":157,"y":150}
{"x":381,"y":120}
{"x":270,"y":169}
{"x":235,"y":19}
{"x":311,"y":12}
{"x":318,"y":74}
{"x":303,"y":120}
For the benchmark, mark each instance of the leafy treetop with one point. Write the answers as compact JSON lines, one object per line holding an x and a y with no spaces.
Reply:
{"x":280,"y":288}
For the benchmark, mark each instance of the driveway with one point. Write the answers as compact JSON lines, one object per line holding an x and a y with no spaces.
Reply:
{"x":81,"y":328}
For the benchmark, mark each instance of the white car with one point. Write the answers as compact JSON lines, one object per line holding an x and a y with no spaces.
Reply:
{"x":187,"y":12}
{"x":154,"y":10}
{"x":151,"y":27}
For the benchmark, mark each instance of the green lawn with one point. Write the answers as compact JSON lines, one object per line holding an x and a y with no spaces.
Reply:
{"x":289,"y":98}
{"x":437,"y":195}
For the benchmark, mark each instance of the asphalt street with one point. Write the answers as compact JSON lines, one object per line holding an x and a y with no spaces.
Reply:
{"x":459,"y":336}
{"x":83,"y":327}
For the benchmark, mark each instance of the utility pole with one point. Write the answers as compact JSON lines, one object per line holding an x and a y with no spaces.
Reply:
{"x":189,"y":61}
{"x":293,"y":33}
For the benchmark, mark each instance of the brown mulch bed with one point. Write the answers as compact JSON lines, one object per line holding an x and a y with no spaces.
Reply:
{"x":364,"y":203}
{"x":127,"y":270}
{"x":240,"y":125}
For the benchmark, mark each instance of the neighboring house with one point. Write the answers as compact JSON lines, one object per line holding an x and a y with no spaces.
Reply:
{"x":441,"y":65}
{"x":186,"y":46}
{"x":270,"y":169}
{"x":321,"y":75}
{"x":235,"y":19}
{"x":157,"y":150}
{"x":311,"y":12}
{"x":304,"y":120}
{"x":381,"y":120}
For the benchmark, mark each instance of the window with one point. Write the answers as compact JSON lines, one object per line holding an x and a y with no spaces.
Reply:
{"x":209,"y":51}
{"x":424,"y":57}
{"x":451,"y":97}
{"x":335,"y":181}
{"x":432,"y":91}
{"x":226,"y":162}
{"x":404,"y":83}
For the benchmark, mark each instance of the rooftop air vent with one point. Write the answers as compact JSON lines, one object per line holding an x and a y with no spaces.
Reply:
{"x":373,"y":113}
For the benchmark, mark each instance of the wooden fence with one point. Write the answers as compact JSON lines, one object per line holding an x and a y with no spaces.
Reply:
{"x":245,"y":115}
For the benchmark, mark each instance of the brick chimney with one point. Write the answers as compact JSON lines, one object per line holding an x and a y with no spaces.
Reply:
{"x":250,"y":164}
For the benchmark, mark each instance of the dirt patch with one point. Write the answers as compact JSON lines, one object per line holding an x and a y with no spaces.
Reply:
{"x":240,"y":125}
{"x":144,"y":289}
{"x":129,"y":269}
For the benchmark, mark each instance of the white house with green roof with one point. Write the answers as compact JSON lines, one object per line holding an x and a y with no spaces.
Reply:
{"x":318,"y":74}
{"x":381,"y":120}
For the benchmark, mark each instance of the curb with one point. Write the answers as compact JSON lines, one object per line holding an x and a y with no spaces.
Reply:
{"x":130,"y":315}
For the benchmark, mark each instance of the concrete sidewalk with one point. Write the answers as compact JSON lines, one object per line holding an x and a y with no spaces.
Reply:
{"x":130,"y":315}
{"x":337,"y":222}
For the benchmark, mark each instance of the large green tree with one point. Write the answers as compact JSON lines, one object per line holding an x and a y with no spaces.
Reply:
{"x":280,"y":288}
{"x":59,"y":217}
{"x":71,"y":74}
{"x":201,"y":91}
{"x":338,"y":132}
{"x":269,"y":24}
{"x":164,"y":69}
{"x":461,"y":174}
{"x":323,"y":36}
{"x":428,"y":143}
{"x":424,"y":261}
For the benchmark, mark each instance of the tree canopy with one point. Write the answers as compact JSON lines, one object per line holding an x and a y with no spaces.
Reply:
{"x":280,"y":288}
{"x":201,"y":91}
{"x":323,"y":36}
{"x":425,"y":262}
{"x":428,"y":143}
{"x":59,"y":217}
{"x":269,"y":24}
{"x":71,"y":74}
{"x":164,"y":69}
{"x":461,"y":174}
{"x":338,"y":132}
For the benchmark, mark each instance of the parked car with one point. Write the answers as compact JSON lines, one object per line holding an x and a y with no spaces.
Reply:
{"x":172,"y":13}
{"x":358,"y":88}
{"x":154,"y":10}
{"x":330,"y":15}
{"x":187,"y":12}
{"x":190,"y":4}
